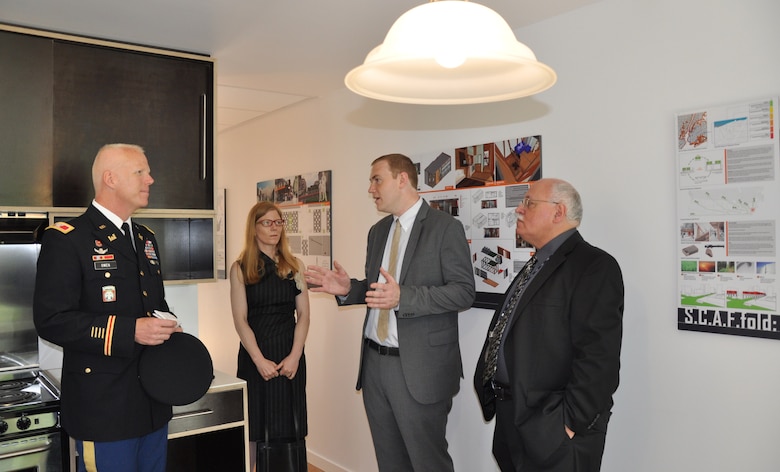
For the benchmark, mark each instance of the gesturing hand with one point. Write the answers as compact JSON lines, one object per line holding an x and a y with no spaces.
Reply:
{"x":384,"y":295}
{"x":334,"y":282}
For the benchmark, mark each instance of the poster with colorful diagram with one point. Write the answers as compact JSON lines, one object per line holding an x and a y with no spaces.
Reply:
{"x":481,"y":185}
{"x":728,"y":196}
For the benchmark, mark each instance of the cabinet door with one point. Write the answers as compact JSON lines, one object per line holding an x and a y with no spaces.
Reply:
{"x":186,"y":246}
{"x":164,"y":104}
{"x":25,"y":120}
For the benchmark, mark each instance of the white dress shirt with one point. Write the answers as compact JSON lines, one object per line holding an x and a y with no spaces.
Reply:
{"x":407,"y":221}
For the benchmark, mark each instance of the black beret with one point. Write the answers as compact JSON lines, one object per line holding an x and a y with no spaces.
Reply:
{"x":178,"y":371}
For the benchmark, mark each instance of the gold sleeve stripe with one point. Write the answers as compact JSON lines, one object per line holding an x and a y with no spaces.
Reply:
{"x":109,"y":335}
{"x":98,"y":332}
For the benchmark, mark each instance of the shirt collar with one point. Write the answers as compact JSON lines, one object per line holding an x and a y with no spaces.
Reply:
{"x":112,"y":217}
{"x":408,"y":217}
{"x":544,"y":253}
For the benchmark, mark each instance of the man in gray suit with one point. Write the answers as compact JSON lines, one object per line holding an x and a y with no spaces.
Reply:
{"x":410,"y":364}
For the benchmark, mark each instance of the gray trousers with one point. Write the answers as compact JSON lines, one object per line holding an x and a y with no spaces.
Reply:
{"x":408,"y":436}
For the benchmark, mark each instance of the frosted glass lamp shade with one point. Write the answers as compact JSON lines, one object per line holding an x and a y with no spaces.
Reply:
{"x":450,"y":52}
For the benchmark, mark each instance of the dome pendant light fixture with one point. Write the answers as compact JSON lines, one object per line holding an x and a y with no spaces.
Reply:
{"x":450,"y":52}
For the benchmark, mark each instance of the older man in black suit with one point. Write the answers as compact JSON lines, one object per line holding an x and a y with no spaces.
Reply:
{"x":550,"y":365}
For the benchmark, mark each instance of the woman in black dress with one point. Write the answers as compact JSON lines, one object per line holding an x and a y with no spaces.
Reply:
{"x":270,"y":304}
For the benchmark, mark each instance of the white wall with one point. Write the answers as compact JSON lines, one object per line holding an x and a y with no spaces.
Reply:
{"x":687,"y":401}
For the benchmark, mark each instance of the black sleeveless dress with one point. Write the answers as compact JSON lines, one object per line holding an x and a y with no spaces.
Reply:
{"x":277,"y":402}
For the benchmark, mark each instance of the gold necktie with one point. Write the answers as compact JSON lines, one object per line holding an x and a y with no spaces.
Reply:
{"x":384,"y":315}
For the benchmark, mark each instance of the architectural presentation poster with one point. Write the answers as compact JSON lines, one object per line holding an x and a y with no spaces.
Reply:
{"x":728,"y":209}
{"x":481,"y":185}
{"x":305,"y":201}
{"x":219,"y":234}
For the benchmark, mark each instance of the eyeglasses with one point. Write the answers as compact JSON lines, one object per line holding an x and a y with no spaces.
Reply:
{"x":269,"y":223}
{"x":530,"y":203}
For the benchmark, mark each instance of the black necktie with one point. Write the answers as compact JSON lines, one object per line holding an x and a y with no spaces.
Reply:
{"x":128,"y":235}
{"x":495,"y":335}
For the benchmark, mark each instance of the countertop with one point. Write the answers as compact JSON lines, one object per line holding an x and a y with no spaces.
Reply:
{"x":222,"y":381}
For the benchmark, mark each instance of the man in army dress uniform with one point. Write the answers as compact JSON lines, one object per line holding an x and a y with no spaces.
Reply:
{"x":95,"y":295}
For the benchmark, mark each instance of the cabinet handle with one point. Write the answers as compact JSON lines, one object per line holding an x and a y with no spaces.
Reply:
{"x":190,"y":414}
{"x":204,"y":134}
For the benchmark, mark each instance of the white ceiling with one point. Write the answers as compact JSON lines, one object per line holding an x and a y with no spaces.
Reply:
{"x":270,"y":54}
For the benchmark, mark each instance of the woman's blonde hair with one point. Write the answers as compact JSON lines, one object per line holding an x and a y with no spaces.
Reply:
{"x":252,"y":265}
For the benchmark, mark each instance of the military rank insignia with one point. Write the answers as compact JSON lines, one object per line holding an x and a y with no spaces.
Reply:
{"x":62,"y":227}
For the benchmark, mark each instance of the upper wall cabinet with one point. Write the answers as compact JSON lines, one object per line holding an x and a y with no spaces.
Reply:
{"x":26,"y":84}
{"x":73,"y":97}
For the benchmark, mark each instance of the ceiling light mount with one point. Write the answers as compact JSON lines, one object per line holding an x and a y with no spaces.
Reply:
{"x":450,"y":52}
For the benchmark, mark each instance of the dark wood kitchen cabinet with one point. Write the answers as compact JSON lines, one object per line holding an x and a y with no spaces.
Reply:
{"x":186,"y":246}
{"x":63,"y":97}
{"x":26,"y":85}
{"x":165,"y":104}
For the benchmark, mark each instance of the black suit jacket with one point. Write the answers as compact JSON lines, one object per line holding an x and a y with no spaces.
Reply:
{"x":90,"y":288}
{"x":562,"y":348}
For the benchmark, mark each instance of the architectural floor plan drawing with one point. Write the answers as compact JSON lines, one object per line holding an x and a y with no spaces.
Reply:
{"x":482,"y":186}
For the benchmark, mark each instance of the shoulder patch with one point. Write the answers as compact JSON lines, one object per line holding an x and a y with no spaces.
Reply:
{"x":147,"y":228}
{"x":62,"y":227}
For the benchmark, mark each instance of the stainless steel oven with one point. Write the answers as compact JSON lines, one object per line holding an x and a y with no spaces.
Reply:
{"x":31,"y":439}
{"x":40,"y":452}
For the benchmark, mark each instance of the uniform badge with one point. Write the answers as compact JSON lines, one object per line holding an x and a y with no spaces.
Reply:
{"x":109,"y":293}
{"x":149,"y":250}
{"x":98,"y":243}
{"x":112,"y":237}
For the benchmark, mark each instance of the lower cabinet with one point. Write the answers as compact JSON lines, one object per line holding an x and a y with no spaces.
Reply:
{"x":212,"y":433}
{"x":209,"y":435}
{"x":221,"y":451}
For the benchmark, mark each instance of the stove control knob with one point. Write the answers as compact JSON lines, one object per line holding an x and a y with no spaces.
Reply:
{"x":3,"y":426}
{"x":23,"y":423}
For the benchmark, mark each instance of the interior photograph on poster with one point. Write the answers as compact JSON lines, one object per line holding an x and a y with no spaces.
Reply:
{"x":305,"y":201}
{"x":481,"y":185}
{"x":728,"y":197}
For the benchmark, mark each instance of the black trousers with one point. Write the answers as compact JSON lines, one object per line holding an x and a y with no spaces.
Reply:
{"x":580,"y":454}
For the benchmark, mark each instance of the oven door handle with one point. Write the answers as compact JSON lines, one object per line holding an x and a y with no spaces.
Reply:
{"x":25,"y":452}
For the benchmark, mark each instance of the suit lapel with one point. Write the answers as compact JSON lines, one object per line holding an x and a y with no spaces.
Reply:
{"x":548,"y":268}
{"x":414,"y":238}
{"x":378,"y":248}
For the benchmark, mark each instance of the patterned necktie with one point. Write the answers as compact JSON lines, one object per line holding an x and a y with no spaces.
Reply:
{"x":384,"y":315}
{"x":128,"y":235}
{"x":495,"y":335}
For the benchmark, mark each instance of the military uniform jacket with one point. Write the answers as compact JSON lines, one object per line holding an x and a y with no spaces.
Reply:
{"x":90,"y":289}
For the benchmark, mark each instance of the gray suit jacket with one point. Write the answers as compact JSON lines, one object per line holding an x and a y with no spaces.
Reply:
{"x":436,"y":282}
